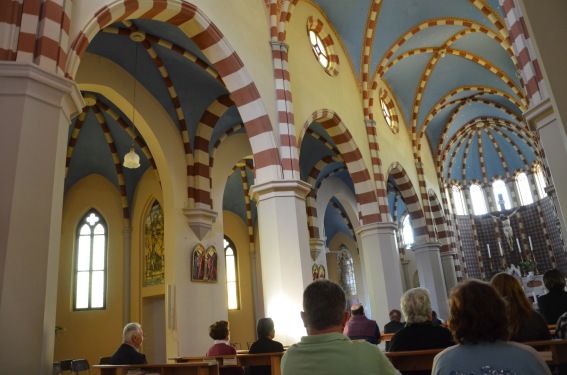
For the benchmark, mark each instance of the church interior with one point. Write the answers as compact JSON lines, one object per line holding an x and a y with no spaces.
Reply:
{"x":176,"y":162}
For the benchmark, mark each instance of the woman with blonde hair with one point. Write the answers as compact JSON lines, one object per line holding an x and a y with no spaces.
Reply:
{"x":525,"y":323}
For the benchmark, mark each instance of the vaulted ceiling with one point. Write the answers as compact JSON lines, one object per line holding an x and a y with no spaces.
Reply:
{"x":448,"y":65}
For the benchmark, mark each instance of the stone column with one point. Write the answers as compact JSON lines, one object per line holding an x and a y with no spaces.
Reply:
{"x":284,"y":252}
{"x":448,"y":265}
{"x":382,"y":268}
{"x":431,"y":275}
{"x":36,"y":108}
{"x":127,"y":232}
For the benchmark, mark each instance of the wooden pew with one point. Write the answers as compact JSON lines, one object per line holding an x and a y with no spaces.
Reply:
{"x":261,"y":359}
{"x":195,"y":368}
{"x":553,"y":352}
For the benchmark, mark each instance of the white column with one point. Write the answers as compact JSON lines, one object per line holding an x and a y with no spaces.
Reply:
{"x":284,"y":251}
{"x":382,"y":267}
{"x":448,"y":264}
{"x":431,"y":275}
{"x":36,"y":108}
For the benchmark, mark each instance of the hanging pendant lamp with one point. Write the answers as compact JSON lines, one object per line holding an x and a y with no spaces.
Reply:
{"x":131,"y":159}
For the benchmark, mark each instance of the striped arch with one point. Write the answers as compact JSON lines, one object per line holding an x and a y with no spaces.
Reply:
{"x":443,"y":234}
{"x":411,"y":200}
{"x":314,"y":180}
{"x":219,"y":52}
{"x":201,"y":169}
{"x":366,"y":197}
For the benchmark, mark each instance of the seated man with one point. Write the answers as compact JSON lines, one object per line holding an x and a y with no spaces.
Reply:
{"x":325,"y":350}
{"x":359,"y":327}
{"x":129,"y":352}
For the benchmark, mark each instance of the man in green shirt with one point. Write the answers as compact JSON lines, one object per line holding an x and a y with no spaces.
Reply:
{"x":325,"y":350}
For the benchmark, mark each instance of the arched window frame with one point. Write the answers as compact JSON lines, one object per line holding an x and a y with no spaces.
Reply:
{"x":407,"y":230}
{"x":458,"y":200}
{"x":232,"y":277}
{"x":499,"y":187}
{"x":347,"y":276}
{"x":90,"y":264}
{"x":477,"y":199}
{"x":540,"y":181}
{"x":524,"y":188}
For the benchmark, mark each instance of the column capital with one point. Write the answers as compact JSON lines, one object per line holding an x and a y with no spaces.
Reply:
{"x":200,"y":220}
{"x":317,"y":246}
{"x":280,"y":188}
{"x":540,"y":115}
{"x":44,"y":86}
{"x":386,"y":227}
{"x":278,"y":45}
{"x":425,"y":247}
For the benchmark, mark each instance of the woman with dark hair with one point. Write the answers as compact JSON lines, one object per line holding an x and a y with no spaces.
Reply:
{"x":219,"y":332}
{"x":525,"y":323}
{"x":479,"y":323}
{"x":553,"y":304}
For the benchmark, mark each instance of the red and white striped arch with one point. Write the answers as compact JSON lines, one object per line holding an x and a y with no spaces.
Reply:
{"x":364,"y":188}
{"x":411,"y":200}
{"x":218,"y":51}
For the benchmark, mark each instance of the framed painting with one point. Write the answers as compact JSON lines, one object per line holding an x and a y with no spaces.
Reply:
{"x":154,"y":259}
{"x":204,"y":264}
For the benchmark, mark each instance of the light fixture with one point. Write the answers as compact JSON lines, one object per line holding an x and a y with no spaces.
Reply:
{"x":131,"y":159}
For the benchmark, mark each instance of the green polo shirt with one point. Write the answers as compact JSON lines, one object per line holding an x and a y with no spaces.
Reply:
{"x":334,"y":353}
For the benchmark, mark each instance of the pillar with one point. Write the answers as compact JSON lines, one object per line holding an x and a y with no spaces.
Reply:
{"x":431,"y":277}
{"x":284,"y":253}
{"x":448,"y":265}
{"x":36,"y":109}
{"x":382,"y":268}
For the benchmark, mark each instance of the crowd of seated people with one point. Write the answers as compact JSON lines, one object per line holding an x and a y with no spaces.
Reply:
{"x":483,"y":333}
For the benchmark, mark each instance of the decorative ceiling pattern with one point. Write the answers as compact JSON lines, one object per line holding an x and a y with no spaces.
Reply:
{"x":447,"y":66}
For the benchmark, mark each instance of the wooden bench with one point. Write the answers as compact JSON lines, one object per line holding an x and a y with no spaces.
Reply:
{"x":553,"y":352}
{"x":261,"y":359}
{"x":195,"y":368}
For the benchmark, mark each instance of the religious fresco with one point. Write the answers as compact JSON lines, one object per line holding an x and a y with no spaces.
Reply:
{"x":204,"y":264}
{"x":154,"y":264}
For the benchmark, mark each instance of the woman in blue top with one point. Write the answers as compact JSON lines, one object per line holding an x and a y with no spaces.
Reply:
{"x":479,"y":323}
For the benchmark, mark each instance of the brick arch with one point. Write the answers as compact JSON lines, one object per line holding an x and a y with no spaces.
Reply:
{"x":411,"y":200}
{"x":363,"y":186}
{"x":443,"y":233}
{"x":216,"y":48}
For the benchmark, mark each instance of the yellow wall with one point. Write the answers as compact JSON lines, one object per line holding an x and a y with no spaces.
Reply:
{"x":242,"y":321}
{"x":90,"y":334}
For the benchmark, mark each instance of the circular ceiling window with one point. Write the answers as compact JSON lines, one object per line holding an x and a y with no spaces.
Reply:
{"x":322,"y":45}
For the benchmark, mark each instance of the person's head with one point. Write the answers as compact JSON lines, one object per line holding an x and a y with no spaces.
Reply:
{"x":357,"y":309}
{"x":265,"y":328}
{"x":477,"y":313}
{"x":512,"y":291}
{"x":395,"y":315}
{"x":553,"y":280}
{"x":219,"y":330}
{"x":132,"y":334}
{"x":416,"y":305}
{"x":324,"y":307}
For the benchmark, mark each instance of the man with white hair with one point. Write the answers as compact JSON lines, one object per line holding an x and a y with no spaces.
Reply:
{"x":129,"y":352}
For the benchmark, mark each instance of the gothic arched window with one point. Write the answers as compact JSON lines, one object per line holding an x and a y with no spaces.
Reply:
{"x":231,"y":274}
{"x":477,"y":199}
{"x":501,"y":195}
{"x":540,"y":181}
{"x":346,"y":271}
{"x":407,"y":231}
{"x":524,"y":189}
{"x":458,"y":200}
{"x":90,"y":263}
